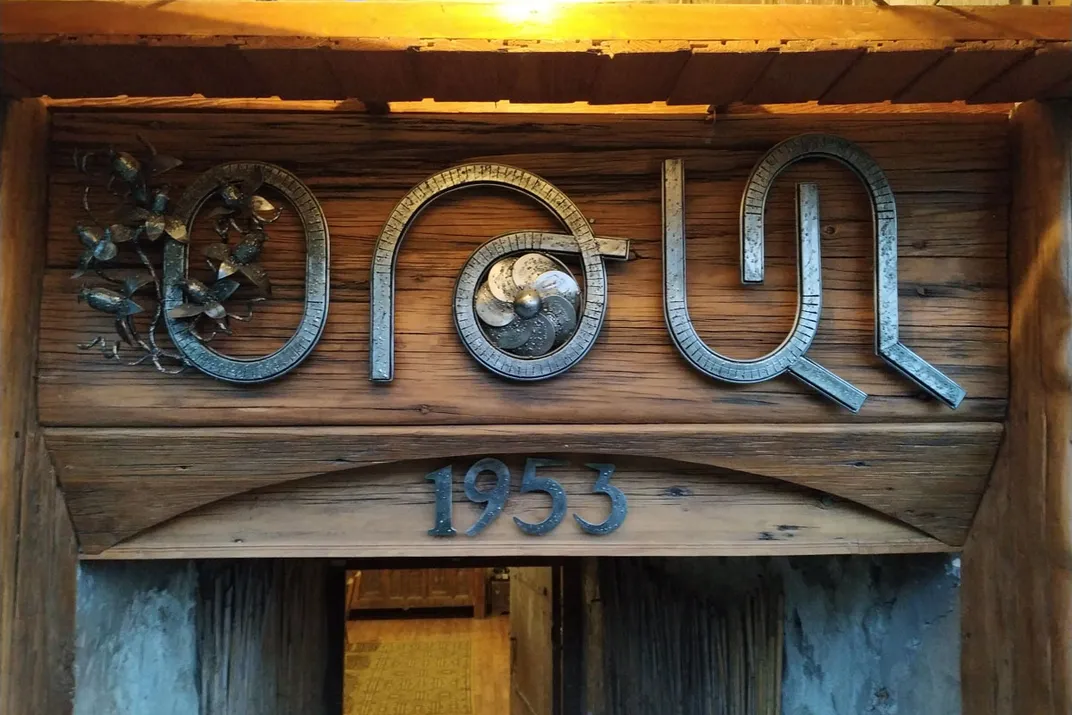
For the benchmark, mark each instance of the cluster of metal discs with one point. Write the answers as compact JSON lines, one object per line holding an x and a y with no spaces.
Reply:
{"x":528,"y":304}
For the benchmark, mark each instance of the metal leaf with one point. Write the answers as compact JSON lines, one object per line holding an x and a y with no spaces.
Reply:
{"x":161,"y":163}
{"x":176,"y":229}
{"x":121,"y":234}
{"x":224,"y":289}
{"x":186,"y":310}
{"x":258,"y":276}
{"x":105,"y":251}
{"x":154,"y":227}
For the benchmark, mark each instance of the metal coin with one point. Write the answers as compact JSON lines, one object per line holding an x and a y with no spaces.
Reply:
{"x":562,"y":315}
{"x":491,"y":310}
{"x":512,"y":336}
{"x":501,"y":280}
{"x":558,"y":283}
{"x":531,"y":266}
{"x":542,"y":338}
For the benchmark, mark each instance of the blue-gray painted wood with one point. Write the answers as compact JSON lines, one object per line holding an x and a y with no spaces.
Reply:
{"x":863,"y":635}
{"x":136,"y":639}
{"x":250,"y":637}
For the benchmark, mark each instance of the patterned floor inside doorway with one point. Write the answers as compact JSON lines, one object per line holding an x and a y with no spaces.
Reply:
{"x":427,"y":667}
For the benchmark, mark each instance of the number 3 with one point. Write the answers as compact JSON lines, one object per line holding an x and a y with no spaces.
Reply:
{"x":618,"y":504}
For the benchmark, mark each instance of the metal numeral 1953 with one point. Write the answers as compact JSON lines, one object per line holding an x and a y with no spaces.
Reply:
{"x":494,"y":499}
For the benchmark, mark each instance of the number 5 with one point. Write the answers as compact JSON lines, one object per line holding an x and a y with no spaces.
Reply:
{"x":618,"y":504}
{"x":531,"y":483}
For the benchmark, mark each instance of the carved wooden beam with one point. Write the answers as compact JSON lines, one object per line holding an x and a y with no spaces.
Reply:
{"x":605,"y":53}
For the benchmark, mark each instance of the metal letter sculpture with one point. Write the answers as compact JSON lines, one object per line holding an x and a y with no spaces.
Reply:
{"x":143,"y":216}
{"x":790,"y":355}
{"x":531,"y":340}
{"x":236,"y":183}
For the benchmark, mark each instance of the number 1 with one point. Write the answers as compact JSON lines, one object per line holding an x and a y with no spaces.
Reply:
{"x":444,"y":501}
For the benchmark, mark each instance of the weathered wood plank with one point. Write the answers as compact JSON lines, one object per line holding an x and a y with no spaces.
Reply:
{"x":674,"y":509}
{"x":609,"y":52}
{"x":801,"y":72}
{"x":210,"y":638}
{"x":928,"y":476}
{"x":37,"y":547}
{"x":721,"y":73}
{"x":951,"y":183}
{"x":587,"y":21}
{"x":1017,"y":585}
{"x":270,"y":637}
{"x":1033,"y":77}
{"x":882,"y":73}
{"x":963,"y":72}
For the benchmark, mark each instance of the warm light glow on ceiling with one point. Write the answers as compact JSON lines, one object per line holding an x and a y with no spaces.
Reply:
{"x":528,"y":11}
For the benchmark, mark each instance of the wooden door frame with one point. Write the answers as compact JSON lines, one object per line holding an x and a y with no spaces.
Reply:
{"x":1017,"y":608}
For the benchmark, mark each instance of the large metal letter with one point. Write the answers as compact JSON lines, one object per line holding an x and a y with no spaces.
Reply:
{"x":790,"y":355}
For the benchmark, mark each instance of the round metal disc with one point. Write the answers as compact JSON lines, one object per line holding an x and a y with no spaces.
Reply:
{"x":512,"y":336}
{"x":542,"y":338}
{"x":558,"y":283}
{"x":531,"y":266}
{"x":562,"y":315}
{"x":501,"y":280}
{"x":491,"y":310}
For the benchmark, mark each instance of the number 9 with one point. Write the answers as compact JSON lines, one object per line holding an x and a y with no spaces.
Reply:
{"x":495,"y":498}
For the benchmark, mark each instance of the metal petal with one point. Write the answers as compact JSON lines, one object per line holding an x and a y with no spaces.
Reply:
{"x":501,"y":279}
{"x":175,"y":228}
{"x":542,"y":338}
{"x":562,"y":314}
{"x":154,"y":227}
{"x":531,"y":266}
{"x":491,"y":310}
{"x":257,"y":276}
{"x":224,"y":289}
{"x":186,"y":310}
{"x":161,"y":163}
{"x":121,"y":233}
{"x":511,"y":336}
{"x":105,"y":251}
{"x":558,"y":283}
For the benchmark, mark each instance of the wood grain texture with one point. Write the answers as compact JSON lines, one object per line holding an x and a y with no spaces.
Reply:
{"x":1017,"y":585}
{"x":1034,"y":77}
{"x":599,"y":52}
{"x":270,"y":637}
{"x":469,"y":20}
{"x":37,"y":547}
{"x":949,"y":174}
{"x":928,"y":476}
{"x":964,"y":71}
{"x":801,"y":72}
{"x":882,"y":73}
{"x":721,"y":73}
{"x":674,"y":509}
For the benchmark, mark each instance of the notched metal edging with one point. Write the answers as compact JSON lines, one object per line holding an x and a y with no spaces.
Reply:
{"x":790,"y":356}
{"x":315,"y":312}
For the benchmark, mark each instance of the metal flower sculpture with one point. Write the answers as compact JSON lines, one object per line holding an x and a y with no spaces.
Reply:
{"x":528,"y":304}
{"x":142,"y":217}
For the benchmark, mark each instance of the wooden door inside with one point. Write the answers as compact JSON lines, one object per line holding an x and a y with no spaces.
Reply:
{"x":405,"y":589}
{"x":532,"y":641}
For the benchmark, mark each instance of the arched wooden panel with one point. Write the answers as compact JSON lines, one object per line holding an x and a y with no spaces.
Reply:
{"x":928,"y":476}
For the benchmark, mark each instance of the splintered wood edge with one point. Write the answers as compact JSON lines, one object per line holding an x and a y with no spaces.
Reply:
{"x":119,"y":482}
